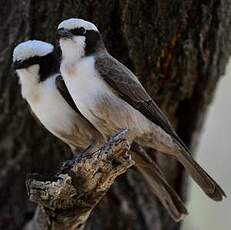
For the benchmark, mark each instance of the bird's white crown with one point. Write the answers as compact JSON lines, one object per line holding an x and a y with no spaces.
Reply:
{"x":30,"y":49}
{"x":73,"y":23}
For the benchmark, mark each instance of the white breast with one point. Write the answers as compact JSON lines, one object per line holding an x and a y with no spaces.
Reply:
{"x":52,"y":109}
{"x":54,"y":112}
{"x":97,"y":102}
{"x":48,"y":105}
{"x":84,"y":84}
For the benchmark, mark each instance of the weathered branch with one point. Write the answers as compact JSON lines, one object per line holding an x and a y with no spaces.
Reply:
{"x":66,"y":201}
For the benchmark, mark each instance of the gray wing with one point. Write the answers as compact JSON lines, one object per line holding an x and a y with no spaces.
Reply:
{"x":60,"y":85}
{"x":127,"y":86}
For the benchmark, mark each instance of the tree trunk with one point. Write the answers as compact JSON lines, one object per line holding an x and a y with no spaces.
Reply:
{"x":178,"y":49}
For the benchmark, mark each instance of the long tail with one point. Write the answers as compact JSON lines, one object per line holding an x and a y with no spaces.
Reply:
{"x":207,"y":184}
{"x":160,"y":187}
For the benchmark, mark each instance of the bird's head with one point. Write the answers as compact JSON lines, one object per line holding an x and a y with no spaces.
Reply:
{"x":35,"y":59}
{"x":79,"y":38}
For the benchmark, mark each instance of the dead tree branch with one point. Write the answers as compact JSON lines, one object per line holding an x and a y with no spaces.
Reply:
{"x":66,"y":201}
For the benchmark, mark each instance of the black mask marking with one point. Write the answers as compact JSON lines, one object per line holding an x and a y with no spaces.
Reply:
{"x":94,"y":42}
{"x":78,"y":31}
{"x":48,"y":64}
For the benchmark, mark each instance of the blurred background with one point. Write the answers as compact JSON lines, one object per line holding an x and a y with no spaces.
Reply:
{"x":179,"y":50}
{"x":214,"y":154}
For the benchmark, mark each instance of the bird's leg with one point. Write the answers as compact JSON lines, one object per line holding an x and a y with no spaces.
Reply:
{"x":77,"y":155}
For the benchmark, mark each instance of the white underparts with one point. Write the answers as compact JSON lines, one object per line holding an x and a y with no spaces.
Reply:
{"x":53,"y":111}
{"x":105,"y":110}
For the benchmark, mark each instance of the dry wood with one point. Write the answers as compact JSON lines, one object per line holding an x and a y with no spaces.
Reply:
{"x":66,"y":201}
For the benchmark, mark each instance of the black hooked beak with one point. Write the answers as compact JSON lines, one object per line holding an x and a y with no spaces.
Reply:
{"x":17,"y":65}
{"x":64,"y":33}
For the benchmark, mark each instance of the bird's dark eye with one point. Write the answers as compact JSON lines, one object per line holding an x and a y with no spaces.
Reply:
{"x":82,"y":30}
{"x":78,"y":31}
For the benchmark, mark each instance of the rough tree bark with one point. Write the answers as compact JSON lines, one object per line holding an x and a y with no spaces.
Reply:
{"x":177,"y":48}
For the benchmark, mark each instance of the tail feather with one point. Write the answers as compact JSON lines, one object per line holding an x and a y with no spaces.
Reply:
{"x":160,"y":187}
{"x":201,"y":177}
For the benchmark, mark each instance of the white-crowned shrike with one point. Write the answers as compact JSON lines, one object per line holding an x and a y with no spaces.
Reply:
{"x":110,"y":96}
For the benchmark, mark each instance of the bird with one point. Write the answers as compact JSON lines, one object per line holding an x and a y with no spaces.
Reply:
{"x":110,"y":96}
{"x":37,"y":65}
{"x":42,"y":86}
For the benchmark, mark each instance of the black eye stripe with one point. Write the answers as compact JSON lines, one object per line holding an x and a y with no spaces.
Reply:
{"x":78,"y":31}
{"x":27,"y":63}
{"x":48,"y":64}
{"x":32,"y":61}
